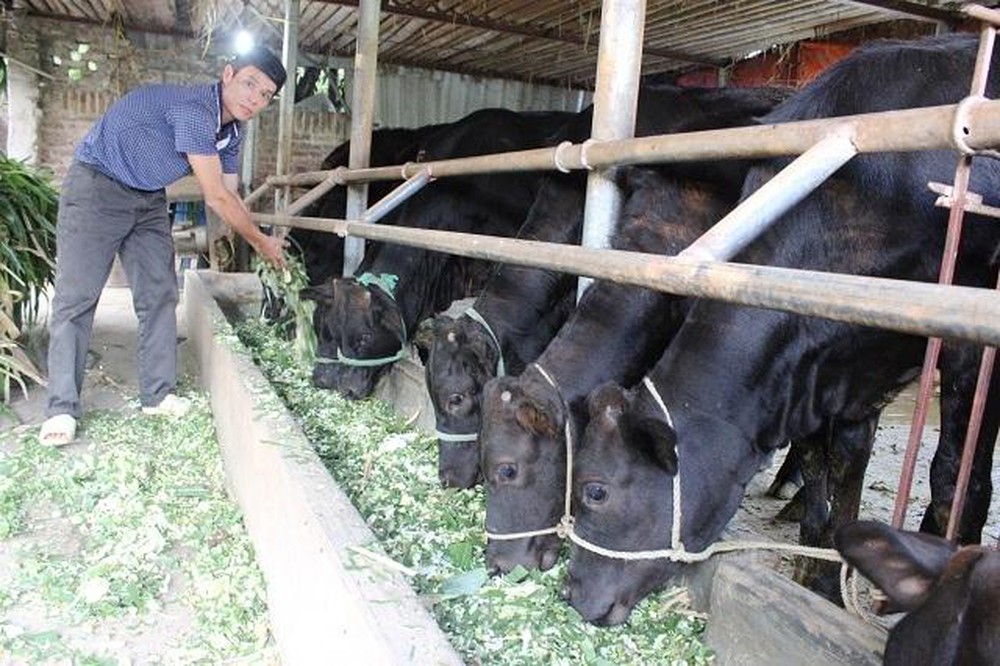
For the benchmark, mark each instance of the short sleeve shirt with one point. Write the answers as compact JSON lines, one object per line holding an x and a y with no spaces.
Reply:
{"x":145,"y":137}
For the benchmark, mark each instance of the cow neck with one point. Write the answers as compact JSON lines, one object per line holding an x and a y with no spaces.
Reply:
{"x":474,"y":315}
{"x":615,"y":333}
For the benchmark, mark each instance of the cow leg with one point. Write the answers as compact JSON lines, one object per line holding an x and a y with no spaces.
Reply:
{"x":848,"y":449}
{"x":959,"y":373}
{"x":812,"y":499}
{"x":788,"y":480}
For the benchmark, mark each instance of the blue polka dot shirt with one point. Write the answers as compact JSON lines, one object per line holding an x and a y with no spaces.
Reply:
{"x":145,"y":137}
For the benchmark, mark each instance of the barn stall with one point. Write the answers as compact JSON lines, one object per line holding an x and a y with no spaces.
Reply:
{"x":965,"y":316}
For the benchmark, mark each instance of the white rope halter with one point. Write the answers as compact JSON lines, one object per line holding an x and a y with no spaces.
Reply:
{"x":501,"y":371}
{"x":566,"y":526}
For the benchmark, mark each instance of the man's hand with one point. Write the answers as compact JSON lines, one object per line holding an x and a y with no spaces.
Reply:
{"x":220,"y":195}
{"x":272,"y":248}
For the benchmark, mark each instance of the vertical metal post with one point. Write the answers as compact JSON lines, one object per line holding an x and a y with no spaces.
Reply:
{"x":286,"y":106}
{"x":362,"y":119}
{"x":954,"y":235}
{"x":619,"y":61}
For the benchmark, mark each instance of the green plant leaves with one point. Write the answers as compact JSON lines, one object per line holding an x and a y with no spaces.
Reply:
{"x":28,"y":205}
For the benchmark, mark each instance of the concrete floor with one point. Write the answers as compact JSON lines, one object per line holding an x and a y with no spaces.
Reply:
{"x":111,"y":381}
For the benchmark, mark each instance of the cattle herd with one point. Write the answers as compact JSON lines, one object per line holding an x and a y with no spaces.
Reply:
{"x":669,"y":405}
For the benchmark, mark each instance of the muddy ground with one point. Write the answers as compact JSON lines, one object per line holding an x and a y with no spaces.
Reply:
{"x":881,"y":479}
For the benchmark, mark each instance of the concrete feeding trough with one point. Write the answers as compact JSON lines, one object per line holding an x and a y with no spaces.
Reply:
{"x":330,"y":596}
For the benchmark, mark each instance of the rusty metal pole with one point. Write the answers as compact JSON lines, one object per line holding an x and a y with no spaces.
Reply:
{"x":362,"y":119}
{"x":948,"y":260}
{"x":907,"y":130}
{"x":619,"y":61}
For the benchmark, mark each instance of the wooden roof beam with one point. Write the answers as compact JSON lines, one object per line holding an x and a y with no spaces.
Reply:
{"x":914,"y":10}
{"x":392,"y":7}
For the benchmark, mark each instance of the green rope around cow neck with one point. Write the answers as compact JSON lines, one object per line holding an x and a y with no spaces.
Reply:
{"x":386,"y":282}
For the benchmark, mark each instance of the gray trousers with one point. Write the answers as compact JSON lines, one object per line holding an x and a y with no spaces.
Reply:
{"x":98,"y":218}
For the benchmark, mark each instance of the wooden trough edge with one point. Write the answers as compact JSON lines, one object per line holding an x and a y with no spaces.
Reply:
{"x":326,"y":602}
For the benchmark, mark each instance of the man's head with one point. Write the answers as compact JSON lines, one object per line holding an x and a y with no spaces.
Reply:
{"x":250,"y":81}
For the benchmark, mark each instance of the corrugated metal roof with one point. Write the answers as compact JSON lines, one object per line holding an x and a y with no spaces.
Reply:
{"x":550,"y":41}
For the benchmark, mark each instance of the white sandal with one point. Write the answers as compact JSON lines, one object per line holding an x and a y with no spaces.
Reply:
{"x":172,"y":405}
{"x":58,"y":430}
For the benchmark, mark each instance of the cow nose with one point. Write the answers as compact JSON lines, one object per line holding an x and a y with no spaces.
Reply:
{"x":452,"y":479}
{"x":455,"y":402}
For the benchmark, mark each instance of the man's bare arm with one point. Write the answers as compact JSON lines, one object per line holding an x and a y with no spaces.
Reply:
{"x":220,"y":195}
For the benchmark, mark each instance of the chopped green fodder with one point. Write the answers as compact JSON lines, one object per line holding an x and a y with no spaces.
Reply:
{"x":146,"y":527}
{"x":390,"y":474}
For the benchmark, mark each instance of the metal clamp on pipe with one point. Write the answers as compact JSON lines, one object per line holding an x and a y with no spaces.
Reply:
{"x":193,"y":240}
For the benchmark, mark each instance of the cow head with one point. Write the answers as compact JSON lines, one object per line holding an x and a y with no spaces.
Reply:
{"x":360,"y":333}
{"x":459,"y":358}
{"x":622,"y":479}
{"x":523,"y":450}
{"x":952,"y":595}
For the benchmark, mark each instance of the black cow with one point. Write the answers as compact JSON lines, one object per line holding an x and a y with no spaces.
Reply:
{"x":615,"y":333}
{"x":323,"y":252}
{"x":363,"y":328}
{"x":739,"y":381}
{"x":523,"y":307}
{"x":951,"y":595}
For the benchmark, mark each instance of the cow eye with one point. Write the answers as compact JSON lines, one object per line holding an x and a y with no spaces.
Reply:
{"x":507,"y":472}
{"x":595,"y":493}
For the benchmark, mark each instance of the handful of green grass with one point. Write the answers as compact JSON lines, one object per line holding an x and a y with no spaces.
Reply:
{"x":297,"y":313}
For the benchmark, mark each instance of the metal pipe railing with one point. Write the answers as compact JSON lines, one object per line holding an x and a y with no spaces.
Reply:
{"x":906,"y":130}
{"x":619,"y":61}
{"x":760,"y":210}
{"x":900,"y":305}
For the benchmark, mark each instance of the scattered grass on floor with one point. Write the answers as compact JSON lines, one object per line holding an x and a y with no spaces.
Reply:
{"x":390,"y":474}
{"x":111,"y":539}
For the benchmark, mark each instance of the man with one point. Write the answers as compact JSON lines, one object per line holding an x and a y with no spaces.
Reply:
{"x":112,"y":201}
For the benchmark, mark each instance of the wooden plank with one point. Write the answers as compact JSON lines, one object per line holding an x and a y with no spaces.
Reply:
{"x":757,"y":616}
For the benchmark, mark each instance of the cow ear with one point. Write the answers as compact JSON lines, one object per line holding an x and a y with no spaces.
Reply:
{"x":904,"y":565}
{"x":651,"y":435}
{"x":537,"y":416}
{"x":607,"y":401}
{"x":423,"y":338}
{"x":319,"y":292}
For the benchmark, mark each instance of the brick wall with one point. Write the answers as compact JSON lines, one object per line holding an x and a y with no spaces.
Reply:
{"x":69,"y":107}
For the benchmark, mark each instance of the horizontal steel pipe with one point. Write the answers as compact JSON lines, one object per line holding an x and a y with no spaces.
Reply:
{"x":928,"y":128}
{"x":312,"y":196}
{"x":913,"y":307}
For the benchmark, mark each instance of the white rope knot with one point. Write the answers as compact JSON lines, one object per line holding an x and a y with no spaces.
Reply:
{"x":565,"y":527}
